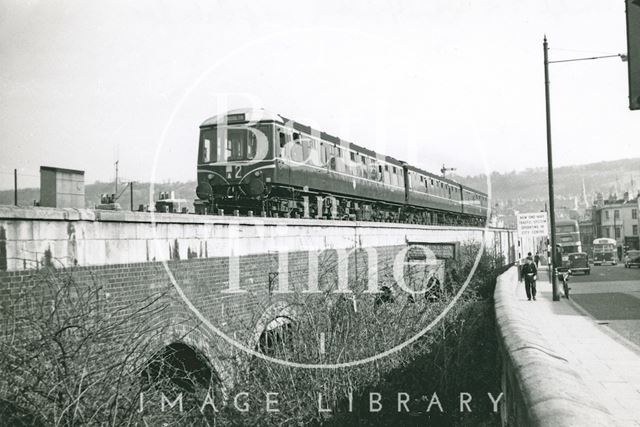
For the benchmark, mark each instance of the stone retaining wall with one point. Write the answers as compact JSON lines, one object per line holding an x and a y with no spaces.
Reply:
{"x":541,"y":387}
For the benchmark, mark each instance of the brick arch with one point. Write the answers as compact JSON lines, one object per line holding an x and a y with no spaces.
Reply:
{"x":276,"y":315}
{"x":202,"y":343}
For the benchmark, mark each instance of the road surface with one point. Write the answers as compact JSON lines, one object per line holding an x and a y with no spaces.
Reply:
{"x":611,"y":295}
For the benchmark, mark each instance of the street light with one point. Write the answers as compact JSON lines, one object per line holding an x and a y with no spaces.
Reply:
{"x":552,"y":212}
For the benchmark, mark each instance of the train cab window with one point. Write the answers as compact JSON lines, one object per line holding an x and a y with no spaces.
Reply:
{"x":236,"y":144}
{"x":206,"y":150}
{"x":283,"y":140}
{"x":252,"y":146}
{"x":296,"y":137}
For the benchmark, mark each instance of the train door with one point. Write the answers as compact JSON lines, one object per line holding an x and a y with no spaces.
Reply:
{"x":284,"y":170}
{"x":407,"y":182}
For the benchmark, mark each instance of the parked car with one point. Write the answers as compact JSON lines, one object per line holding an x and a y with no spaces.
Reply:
{"x":632,"y":259}
{"x":579,"y":262}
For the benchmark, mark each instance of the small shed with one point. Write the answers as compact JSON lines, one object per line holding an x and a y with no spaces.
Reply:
{"x":61,"y":188}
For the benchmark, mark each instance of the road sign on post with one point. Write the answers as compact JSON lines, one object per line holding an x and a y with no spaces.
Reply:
{"x":633,"y":52}
{"x":532,"y":224}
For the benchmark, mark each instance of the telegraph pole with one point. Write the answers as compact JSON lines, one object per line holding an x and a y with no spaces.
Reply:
{"x":117,"y":161}
{"x":15,"y":187}
{"x":552,"y":212}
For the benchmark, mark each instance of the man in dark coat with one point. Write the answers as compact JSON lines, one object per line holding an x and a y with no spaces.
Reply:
{"x":529,"y":272}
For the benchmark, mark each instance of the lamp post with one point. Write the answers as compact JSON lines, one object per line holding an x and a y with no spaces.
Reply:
{"x":552,"y":212}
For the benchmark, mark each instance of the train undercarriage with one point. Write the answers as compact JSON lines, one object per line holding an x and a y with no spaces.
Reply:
{"x":290,"y":202}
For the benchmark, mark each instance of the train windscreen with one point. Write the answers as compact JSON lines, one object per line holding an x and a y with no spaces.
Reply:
{"x":231,"y":145}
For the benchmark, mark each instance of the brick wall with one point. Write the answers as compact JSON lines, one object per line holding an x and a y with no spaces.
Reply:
{"x":205,"y":283}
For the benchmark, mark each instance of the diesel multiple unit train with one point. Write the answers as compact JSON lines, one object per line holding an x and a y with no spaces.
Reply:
{"x":254,"y":162}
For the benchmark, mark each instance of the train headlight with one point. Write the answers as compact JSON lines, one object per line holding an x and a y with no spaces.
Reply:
{"x":210,"y":176}
{"x":204,"y":191}
{"x":257,"y":173}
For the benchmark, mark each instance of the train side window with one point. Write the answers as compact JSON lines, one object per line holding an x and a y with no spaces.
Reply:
{"x":296,"y":137}
{"x":352,"y":155}
{"x":306,"y":149}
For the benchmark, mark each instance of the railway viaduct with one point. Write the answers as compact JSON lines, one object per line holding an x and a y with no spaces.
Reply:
{"x":231,"y":274}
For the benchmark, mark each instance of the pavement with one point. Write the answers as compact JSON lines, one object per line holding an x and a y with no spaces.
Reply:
{"x":607,"y":361}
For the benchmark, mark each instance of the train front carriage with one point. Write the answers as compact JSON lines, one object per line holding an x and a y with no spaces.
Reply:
{"x":236,"y":162}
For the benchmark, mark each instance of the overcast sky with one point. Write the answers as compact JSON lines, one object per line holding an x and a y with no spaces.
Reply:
{"x":430,"y":82}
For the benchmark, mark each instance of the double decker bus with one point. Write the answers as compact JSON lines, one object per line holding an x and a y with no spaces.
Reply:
{"x":604,"y":251}
{"x":568,"y":236}
{"x":567,"y":240}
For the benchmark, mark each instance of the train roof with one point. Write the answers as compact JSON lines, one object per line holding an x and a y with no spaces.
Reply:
{"x":250,"y":115}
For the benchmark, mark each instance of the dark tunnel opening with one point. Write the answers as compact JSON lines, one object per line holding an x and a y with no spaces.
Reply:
{"x":184,"y":367}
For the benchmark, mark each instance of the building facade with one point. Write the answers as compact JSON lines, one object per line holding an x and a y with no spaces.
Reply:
{"x":619,"y":219}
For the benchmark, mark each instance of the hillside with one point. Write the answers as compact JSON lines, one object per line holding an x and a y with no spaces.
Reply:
{"x":608,"y":177}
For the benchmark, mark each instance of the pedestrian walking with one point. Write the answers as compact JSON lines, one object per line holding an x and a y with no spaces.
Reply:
{"x":536,"y":259}
{"x":530,"y":274}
